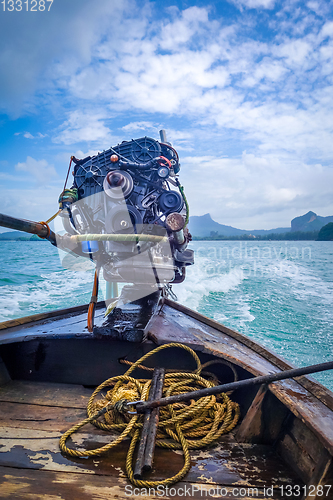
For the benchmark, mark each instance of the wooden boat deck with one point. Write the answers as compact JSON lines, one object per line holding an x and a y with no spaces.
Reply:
{"x":52,"y":358}
{"x":34,"y":414}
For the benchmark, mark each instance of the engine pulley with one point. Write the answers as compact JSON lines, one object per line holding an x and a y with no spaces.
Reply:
{"x":170,"y":201}
{"x":118,"y":184}
{"x":123,"y":219}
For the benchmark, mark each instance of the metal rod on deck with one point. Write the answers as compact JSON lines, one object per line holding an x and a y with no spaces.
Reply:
{"x":27,"y":226}
{"x":154,"y":419}
{"x":142,"y":407}
{"x":149,"y":423}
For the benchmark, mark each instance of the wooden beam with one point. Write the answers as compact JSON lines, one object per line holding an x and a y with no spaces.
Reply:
{"x":252,"y":426}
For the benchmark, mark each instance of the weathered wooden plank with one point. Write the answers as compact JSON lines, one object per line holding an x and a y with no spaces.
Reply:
{"x":171,"y":325}
{"x":276,"y":417}
{"x":171,"y":308}
{"x":312,"y":412}
{"x":37,"y":449}
{"x":58,"y":420}
{"x":162,"y":331}
{"x":44,"y":418}
{"x":4,"y":375}
{"x":251,"y":428}
{"x":240,"y":464}
{"x":306,"y":440}
{"x":321,"y":478}
{"x":225,"y":464}
{"x":46,"y":394}
{"x":19,"y":484}
{"x":296,"y":457}
{"x":321,"y":392}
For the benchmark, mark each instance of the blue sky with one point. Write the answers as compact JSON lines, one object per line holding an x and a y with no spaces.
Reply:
{"x":242,"y":87}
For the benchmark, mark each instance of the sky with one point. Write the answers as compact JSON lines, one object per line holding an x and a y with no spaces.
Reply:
{"x":243,"y":89}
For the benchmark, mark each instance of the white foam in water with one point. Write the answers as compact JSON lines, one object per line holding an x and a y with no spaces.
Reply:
{"x":242,"y":314}
{"x":57,"y":290}
{"x":199,"y":283}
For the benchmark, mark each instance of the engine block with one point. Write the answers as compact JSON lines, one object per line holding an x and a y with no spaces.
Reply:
{"x":131,"y":188}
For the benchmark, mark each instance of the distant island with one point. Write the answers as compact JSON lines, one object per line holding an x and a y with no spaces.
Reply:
{"x":19,"y":236}
{"x":304,"y":227}
{"x":326,"y":233}
{"x":309,"y":226}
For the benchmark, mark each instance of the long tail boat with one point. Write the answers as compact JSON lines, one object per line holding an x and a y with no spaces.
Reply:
{"x":156,"y":400}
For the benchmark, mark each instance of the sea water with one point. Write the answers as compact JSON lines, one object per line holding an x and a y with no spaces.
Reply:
{"x":278,"y":293}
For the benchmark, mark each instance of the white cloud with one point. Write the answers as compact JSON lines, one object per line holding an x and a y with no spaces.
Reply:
{"x":69,"y":33}
{"x":327,"y":30}
{"x":216,"y":84}
{"x":295,"y":52}
{"x":255,"y":4}
{"x":28,"y":135}
{"x":24,"y":203}
{"x":320,"y":8}
{"x":8,"y":177}
{"x":40,"y":170}
{"x":256,"y":190}
{"x":188,"y":23}
{"x":194,"y":80}
{"x":83,"y":127}
{"x":134,"y":126}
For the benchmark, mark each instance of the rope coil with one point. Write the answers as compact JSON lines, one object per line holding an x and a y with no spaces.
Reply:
{"x":181,"y":426}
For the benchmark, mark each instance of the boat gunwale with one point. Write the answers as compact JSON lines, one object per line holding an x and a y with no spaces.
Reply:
{"x":25,"y":320}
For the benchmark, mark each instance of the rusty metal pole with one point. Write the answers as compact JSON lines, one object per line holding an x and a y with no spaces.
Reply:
{"x":153,"y":425}
{"x":27,"y":226}
{"x":145,"y":455}
{"x":142,"y":407}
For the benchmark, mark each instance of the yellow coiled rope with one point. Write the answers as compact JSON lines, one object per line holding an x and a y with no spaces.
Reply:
{"x":183,"y":426}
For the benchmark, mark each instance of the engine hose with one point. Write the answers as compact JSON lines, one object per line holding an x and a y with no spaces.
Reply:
{"x":68,"y":226}
{"x":173,"y":149}
{"x":141,"y":166}
{"x":181,"y":189}
{"x":93,"y":301}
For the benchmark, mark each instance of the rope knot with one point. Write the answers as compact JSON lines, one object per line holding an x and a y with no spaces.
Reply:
{"x":121,"y":405}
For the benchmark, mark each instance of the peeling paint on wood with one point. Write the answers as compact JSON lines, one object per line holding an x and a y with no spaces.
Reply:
{"x":33,"y":485}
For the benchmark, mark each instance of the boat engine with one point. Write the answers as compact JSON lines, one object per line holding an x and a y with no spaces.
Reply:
{"x":129,"y":211}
